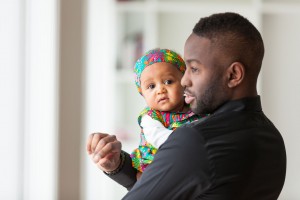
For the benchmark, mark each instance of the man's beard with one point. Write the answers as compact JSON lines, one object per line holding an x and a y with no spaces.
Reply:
{"x":211,"y":99}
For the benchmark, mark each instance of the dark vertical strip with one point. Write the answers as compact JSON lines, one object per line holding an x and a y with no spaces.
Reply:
{"x":71,"y":95}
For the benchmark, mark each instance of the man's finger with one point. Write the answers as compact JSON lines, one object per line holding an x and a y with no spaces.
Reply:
{"x":110,"y":151}
{"x":97,"y":137}
{"x":113,"y":147}
{"x":104,"y":141}
{"x":88,"y":143}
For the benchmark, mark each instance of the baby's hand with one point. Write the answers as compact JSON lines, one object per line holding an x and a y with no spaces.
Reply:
{"x":104,"y":150}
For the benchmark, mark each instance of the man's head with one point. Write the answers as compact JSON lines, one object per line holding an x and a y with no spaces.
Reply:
{"x":223,"y":57}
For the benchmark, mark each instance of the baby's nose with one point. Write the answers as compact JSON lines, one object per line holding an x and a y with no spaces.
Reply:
{"x":161,"y":89}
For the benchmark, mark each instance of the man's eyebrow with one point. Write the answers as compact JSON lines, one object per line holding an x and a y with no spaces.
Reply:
{"x":192,"y":60}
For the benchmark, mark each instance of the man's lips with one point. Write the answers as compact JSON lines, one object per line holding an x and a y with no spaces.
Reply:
{"x":188,"y":98}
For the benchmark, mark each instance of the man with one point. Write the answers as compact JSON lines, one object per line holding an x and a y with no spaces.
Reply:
{"x":234,"y":153}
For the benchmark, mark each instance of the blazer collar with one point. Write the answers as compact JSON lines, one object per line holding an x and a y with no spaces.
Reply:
{"x":248,"y":103}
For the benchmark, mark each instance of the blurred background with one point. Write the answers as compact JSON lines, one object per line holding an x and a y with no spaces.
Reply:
{"x":66,"y":72}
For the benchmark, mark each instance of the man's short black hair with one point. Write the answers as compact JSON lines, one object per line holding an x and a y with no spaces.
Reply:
{"x":235,"y":36}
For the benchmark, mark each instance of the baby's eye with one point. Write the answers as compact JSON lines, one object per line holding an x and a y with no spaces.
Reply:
{"x":168,"y":82}
{"x":151,"y":86}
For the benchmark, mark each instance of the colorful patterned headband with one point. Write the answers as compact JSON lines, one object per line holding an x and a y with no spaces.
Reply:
{"x":155,"y":56}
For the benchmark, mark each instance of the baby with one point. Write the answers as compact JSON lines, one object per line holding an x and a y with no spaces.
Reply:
{"x":157,"y":76}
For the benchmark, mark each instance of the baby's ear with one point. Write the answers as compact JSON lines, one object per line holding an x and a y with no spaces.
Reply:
{"x":236,"y":73}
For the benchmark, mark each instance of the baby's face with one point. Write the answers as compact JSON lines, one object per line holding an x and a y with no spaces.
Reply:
{"x":161,"y":88}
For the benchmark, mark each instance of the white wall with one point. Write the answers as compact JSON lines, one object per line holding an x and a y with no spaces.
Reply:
{"x":99,"y":93}
{"x":28,"y":63}
{"x":11,"y":104}
{"x":281,"y":89}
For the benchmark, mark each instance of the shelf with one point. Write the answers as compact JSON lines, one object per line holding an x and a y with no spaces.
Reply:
{"x":130,"y":39}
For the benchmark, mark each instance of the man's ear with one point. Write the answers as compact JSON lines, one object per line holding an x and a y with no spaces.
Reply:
{"x":236,"y":73}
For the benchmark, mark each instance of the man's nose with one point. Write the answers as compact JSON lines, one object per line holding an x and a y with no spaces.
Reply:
{"x":185,"y":80}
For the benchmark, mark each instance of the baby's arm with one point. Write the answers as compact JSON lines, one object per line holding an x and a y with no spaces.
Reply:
{"x":154,"y":131}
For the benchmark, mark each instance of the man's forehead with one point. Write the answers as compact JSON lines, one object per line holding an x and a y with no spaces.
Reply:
{"x":196,"y":46}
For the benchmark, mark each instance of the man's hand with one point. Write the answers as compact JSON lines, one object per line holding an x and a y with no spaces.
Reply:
{"x":104,"y":150}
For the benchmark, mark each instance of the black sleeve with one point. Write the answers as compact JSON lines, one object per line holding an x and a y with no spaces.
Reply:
{"x":179,"y":170}
{"x":127,"y":175}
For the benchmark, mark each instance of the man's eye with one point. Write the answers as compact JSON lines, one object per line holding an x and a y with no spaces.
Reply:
{"x":151,"y":86}
{"x":194,"y":69}
{"x":168,"y":82}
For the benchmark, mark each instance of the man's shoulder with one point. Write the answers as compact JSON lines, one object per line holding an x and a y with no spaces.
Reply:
{"x":186,"y":135}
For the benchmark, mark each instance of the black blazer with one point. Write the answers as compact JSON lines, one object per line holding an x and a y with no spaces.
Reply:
{"x":234,"y":154}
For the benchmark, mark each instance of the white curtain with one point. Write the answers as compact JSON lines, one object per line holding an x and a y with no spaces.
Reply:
{"x":28,"y":70}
